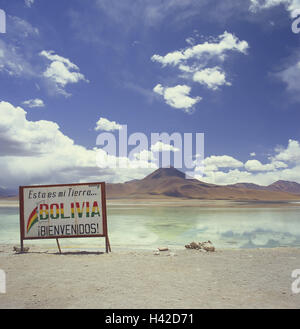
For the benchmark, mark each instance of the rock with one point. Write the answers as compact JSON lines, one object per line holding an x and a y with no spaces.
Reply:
{"x":163,"y":249}
{"x":207,"y":246}
{"x":210,"y":248}
{"x":193,"y":245}
{"x":18,"y":249}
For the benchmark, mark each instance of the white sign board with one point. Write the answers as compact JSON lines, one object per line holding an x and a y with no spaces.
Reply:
{"x":62,"y":211}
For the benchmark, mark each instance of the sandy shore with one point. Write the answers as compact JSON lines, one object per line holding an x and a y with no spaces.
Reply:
{"x":256,"y":278}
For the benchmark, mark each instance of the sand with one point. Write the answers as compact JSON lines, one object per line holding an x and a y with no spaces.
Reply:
{"x":255,"y":278}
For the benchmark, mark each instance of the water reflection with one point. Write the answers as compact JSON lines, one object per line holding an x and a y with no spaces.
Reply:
{"x":226,"y":227}
{"x":149,"y":227}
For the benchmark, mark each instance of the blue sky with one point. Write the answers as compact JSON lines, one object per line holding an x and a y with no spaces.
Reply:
{"x":228,"y":69}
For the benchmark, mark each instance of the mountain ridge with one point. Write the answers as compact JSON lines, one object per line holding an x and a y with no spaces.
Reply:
{"x":170,"y":182}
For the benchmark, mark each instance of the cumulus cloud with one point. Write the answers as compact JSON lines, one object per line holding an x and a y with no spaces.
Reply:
{"x":178,"y":96}
{"x":222,"y":161}
{"x":61,"y":71}
{"x":36,"y":152}
{"x":284,"y":164}
{"x":197,"y":63}
{"x":34,"y":103}
{"x":158,"y":147}
{"x":213,"y":78}
{"x":106,"y":125}
{"x":225,"y":42}
{"x":161,"y":147}
{"x":145,"y":155}
{"x":255,"y":165}
{"x":290,"y":154}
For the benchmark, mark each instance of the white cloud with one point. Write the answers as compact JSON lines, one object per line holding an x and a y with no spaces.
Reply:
{"x":106,"y":125}
{"x":15,"y":50}
{"x":178,"y":96}
{"x":222,"y":161}
{"x":255,"y":165}
{"x":34,"y":103}
{"x":29,"y":3}
{"x":61,"y":71}
{"x":290,"y":5}
{"x":191,"y":41}
{"x":225,"y":178}
{"x":33,"y":152}
{"x":197,"y":63}
{"x":252,"y":154}
{"x":283,"y":165}
{"x":161,"y":147}
{"x":145,"y":155}
{"x":12,"y":61}
{"x":290,"y":154}
{"x":159,"y":89}
{"x":36,"y":152}
{"x":148,"y":155}
{"x":211,"y":77}
{"x":21,"y":28}
{"x":226,"y":42}
{"x":291,"y":77}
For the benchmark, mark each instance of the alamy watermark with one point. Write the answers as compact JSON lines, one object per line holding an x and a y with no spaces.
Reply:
{"x":2,"y":21}
{"x":296,"y":283}
{"x":179,"y":150}
{"x":296,"y":23}
{"x":2,"y":282}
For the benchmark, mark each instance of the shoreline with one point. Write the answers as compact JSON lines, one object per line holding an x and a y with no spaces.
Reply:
{"x":178,"y":202}
{"x":241,"y":278}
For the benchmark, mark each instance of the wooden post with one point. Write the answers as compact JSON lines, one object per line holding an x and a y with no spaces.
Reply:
{"x":107,"y":245}
{"x":21,"y":211}
{"x":22,"y":246}
{"x":58,"y":246}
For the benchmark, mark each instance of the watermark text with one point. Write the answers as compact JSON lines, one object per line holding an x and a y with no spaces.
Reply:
{"x":2,"y":282}
{"x":137,"y":150}
{"x":296,"y":23}
{"x":296,"y":283}
{"x":2,"y":21}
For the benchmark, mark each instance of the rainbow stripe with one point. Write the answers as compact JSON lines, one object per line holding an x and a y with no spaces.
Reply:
{"x":33,"y":218}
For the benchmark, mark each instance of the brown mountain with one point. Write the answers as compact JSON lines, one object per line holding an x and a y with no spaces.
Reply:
{"x":249,"y":186}
{"x":279,"y":186}
{"x":285,"y":186}
{"x":170,"y":182}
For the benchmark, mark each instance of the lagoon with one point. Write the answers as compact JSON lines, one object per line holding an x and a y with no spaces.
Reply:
{"x":150,"y":226}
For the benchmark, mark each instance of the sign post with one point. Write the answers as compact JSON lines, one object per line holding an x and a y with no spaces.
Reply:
{"x":63,"y":211}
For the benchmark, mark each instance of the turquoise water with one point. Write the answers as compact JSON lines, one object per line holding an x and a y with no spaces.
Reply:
{"x":149,"y":227}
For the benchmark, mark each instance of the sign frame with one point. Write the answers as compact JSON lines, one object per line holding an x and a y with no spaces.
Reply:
{"x":103,"y":211}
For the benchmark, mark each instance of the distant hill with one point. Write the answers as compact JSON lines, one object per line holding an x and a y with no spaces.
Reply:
{"x":4,"y":193}
{"x":285,"y":186}
{"x":279,"y":186}
{"x":249,"y":186}
{"x":170,"y":182}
